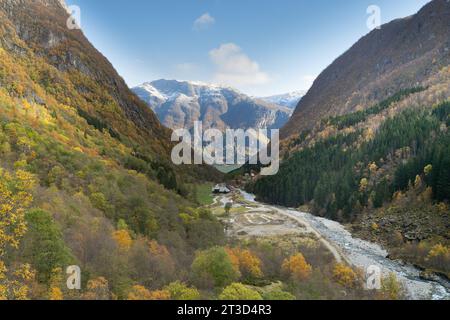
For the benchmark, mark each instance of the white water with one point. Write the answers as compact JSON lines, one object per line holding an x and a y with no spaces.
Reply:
{"x":362,"y":254}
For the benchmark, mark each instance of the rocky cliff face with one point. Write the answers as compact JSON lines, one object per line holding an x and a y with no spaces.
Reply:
{"x":403,"y":54}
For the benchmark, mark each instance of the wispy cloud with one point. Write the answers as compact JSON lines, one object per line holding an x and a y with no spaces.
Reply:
{"x":204,"y":21}
{"x":235,"y":68}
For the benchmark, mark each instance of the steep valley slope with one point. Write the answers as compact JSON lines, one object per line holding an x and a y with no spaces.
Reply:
{"x":85,"y":171}
{"x":369,"y":143}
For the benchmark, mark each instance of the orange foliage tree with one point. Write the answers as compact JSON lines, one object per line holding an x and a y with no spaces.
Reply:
{"x":245,"y":262}
{"x":141,"y":293}
{"x":345,"y":275}
{"x":123,"y":239}
{"x":297,"y":267}
{"x":97,"y":289}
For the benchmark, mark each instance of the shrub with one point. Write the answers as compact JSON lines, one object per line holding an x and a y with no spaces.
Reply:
{"x":213,"y":267}
{"x":345,"y":275}
{"x":237,"y":291}
{"x":141,"y":293}
{"x":278,"y":295}
{"x":180,"y":291}
{"x":391,"y":288}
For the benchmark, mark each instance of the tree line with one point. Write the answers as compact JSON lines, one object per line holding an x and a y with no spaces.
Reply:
{"x":339,"y":176}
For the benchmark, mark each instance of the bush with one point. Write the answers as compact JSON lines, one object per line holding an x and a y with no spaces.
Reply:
{"x":391,"y":288}
{"x":237,"y":291}
{"x":213,"y":267}
{"x":345,"y":275}
{"x":278,"y":295}
{"x":141,"y":293}
{"x":180,"y":291}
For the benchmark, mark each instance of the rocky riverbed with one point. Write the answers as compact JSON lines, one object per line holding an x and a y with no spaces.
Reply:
{"x":359,"y":253}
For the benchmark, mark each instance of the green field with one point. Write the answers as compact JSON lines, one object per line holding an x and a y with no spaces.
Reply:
{"x":204,"y":194}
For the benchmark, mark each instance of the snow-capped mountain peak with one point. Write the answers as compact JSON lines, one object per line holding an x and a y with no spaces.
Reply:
{"x":289,"y":100}
{"x":178,"y":104}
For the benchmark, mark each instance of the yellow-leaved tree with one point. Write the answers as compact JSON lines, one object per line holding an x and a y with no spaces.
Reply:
{"x":15,"y":198}
{"x":180,"y":291}
{"x":123,"y":239}
{"x":238,"y":291}
{"x":297,"y":267}
{"x":345,"y":276}
{"x":55,"y":292}
{"x":245,"y":262}
{"x":97,"y":289}
{"x":139,"y":292}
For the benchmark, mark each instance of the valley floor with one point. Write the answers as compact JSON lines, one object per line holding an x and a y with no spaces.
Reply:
{"x":249,"y":219}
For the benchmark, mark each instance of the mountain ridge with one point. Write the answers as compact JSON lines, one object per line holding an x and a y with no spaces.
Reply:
{"x":289,"y":100}
{"x":375,"y":153}
{"x":48,"y":36}
{"x":400,"y":55}
{"x":179,"y":104}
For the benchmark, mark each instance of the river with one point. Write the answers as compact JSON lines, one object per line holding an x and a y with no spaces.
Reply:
{"x":362,"y":254}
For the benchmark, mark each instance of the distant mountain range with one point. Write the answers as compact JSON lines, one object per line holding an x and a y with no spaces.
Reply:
{"x":288,"y":100}
{"x":178,"y":104}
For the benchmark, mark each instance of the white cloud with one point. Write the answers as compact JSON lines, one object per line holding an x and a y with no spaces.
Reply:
{"x":204,"y":21}
{"x":235,"y":68}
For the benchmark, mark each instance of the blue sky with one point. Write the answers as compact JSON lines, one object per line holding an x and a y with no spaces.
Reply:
{"x":262,"y":47}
